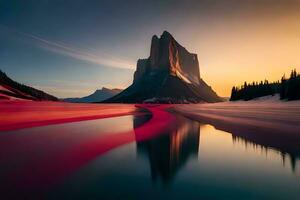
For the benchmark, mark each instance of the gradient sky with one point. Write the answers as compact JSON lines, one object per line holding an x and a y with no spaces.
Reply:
{"x":72,"y":47}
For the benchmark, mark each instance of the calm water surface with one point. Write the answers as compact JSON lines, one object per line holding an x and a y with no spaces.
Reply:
{"x":192,"y":161}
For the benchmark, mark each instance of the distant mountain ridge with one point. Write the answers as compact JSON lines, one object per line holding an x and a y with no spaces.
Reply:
{"x":10,"y":89}
{"x":169,"y":75}
{"x":98,"y":95}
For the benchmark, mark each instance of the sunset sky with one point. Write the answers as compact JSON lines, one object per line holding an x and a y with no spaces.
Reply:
{"x":70,"y":48}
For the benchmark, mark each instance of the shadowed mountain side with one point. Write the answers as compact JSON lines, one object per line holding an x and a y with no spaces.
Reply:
{"x":98,"y":95}
{"x":170,"y":75}
{"x":10,"y":89}
{"x":164,"y":88}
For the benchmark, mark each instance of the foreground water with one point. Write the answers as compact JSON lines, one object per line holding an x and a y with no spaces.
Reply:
{"x":92,"y":160}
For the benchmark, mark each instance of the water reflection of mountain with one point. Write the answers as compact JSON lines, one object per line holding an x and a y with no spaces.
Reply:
{"x":168,"y":152}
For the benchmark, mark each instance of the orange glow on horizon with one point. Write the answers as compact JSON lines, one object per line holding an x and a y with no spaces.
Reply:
{"x":250,"y":48}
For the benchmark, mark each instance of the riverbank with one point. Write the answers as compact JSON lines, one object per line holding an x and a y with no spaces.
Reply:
{"x":271,"y":123}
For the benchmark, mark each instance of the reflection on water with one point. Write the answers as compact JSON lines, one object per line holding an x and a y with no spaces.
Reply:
{"x":192,"y":161}
{"x":283,"y":143}
{"x":262,"y":149}
{"x":244,"y":153}
{"x":170,"y":151}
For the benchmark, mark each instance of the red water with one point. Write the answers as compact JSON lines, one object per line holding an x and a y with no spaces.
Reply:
{"x":26,"y":114}
{"x":37,"y":160}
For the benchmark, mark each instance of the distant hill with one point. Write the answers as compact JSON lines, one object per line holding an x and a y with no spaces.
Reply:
{"x":170,"y":74}
{"x":10,"y":89}
{"x":98,"y":95}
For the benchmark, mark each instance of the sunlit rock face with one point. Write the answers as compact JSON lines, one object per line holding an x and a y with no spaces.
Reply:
{"x":167,"y":55}
{"x":170,"y":75}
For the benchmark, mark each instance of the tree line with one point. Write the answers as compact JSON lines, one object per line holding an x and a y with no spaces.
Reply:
{"x":289,"y":89}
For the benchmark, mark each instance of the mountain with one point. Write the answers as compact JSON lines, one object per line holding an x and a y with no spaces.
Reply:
{"x":98,"y":95}
{"x":170,"y":75}
{"x":10,"y":89}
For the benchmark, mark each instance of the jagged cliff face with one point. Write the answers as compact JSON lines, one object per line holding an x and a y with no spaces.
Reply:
{"x":167,"y":55}
{"x":170,"y":74}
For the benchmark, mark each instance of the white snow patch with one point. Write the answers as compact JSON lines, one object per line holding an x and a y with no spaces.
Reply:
{"x":269,"y":100}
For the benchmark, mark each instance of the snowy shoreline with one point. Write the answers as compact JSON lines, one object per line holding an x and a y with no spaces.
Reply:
{"x":269,"y":122}
{"x":266,"y":112}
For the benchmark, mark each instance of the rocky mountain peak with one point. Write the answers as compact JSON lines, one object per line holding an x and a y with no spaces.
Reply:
{"x":104,"y":89}
{"x":166,"y":35}
{"x":169,"y":74}
{"x":166,"y":54}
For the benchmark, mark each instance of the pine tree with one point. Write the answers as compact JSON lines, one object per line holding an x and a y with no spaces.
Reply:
{"x":233,"y":94}
{"x":288,"y":89}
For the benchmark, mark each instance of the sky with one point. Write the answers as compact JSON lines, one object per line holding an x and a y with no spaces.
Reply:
{"x":69,"y":48}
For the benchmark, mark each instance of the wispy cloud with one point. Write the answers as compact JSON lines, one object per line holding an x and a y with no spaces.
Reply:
{"x":102,"y":59}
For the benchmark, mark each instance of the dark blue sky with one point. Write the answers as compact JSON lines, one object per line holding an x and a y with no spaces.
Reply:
{"x":72,"y":47}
